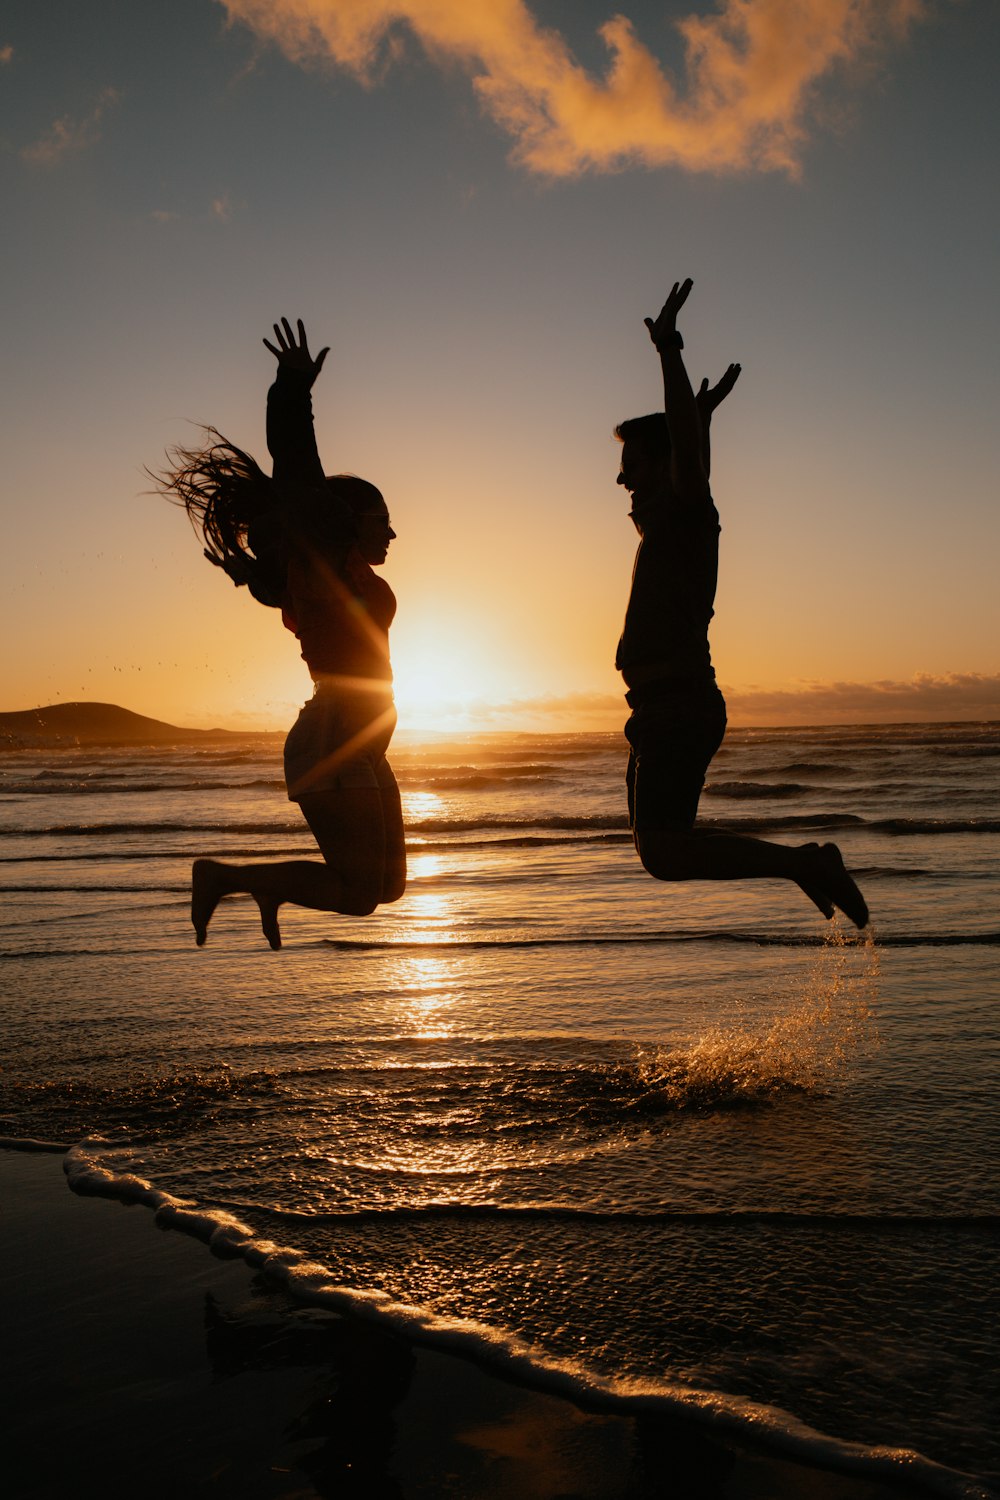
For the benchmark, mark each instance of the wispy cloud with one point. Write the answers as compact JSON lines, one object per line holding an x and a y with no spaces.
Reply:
{"x":69,"y":137}
{"x":6,"y":53}
{"x":569,"y":712}
{"x":220,"y":209}
{"x":751,"y":71}
{"x":956,"y":695}
{"x":921,"y":699}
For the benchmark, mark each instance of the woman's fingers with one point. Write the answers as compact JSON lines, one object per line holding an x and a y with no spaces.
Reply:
{"x":295,"y":351}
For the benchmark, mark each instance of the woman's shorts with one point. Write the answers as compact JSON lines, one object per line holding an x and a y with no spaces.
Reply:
{"x":338,"y":742}
{"x":673,"y":733}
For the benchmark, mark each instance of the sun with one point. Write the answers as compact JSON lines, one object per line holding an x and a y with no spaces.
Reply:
{"x":442,"y":680}
{"x":428,"y":698}
{"x":461,"y":676}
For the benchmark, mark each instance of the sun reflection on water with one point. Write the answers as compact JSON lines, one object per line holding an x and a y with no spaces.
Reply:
{"x":425,"y":997}
{"x":428,"y":912}
{"x":418,"y":805}
{"x":426,"y":983}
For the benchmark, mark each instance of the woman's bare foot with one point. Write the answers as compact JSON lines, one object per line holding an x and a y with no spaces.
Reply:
{"x":269,"y":920}
{"x":826,"y":880}
{"x":207,"y":890}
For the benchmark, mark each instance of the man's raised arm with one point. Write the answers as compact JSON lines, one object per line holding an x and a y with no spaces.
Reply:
{"x":707,"y":399}
{"x":687,"y":469}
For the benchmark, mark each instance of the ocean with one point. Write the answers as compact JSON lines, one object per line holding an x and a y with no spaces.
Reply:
{"x":683,"y":1146}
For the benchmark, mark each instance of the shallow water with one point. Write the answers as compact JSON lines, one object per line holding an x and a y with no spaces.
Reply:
{"x":687,"y":1135}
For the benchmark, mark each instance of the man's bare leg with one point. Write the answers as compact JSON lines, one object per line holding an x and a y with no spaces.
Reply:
{"x":818,"y":870}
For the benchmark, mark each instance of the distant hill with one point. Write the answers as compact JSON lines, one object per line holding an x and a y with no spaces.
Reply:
{"x":95,"y":724}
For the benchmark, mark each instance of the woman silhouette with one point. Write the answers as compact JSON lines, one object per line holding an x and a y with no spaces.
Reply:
{"x":307,"y":544}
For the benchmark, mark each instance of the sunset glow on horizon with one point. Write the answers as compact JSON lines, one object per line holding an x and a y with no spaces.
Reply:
{"x":475,"y":206}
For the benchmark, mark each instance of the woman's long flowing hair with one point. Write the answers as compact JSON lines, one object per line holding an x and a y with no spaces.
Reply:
{"x":231,"y":504}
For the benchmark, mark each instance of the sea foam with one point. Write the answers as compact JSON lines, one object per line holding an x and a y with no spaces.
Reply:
{"x":308,"y":1281}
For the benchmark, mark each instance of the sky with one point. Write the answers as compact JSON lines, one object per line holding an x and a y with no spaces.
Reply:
{"x":475,"y":205}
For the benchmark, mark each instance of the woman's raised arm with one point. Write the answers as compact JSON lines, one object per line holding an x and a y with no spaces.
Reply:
{"x":291,"y":440}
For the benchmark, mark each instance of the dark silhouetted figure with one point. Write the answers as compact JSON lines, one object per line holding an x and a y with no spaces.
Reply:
{"x":307,"y":545}
{"x":678,"y":716}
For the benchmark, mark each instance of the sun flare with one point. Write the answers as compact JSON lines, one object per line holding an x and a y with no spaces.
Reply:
{"x":440,"y":684}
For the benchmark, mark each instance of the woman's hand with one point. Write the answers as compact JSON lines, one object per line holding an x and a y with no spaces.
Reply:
{"x":295,"y":356}
{"x":663,"y":329}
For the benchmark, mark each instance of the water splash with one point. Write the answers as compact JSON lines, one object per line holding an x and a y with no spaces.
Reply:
{"x":806,"y":1048}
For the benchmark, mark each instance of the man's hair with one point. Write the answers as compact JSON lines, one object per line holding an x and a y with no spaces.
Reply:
{"x":648,"y":433}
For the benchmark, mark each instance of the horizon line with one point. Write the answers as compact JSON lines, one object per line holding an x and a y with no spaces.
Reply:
{"x":844,"y":719}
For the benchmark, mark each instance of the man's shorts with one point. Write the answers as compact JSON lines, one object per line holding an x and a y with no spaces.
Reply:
{"x":673,"y":732}
{"x":338,"y":742}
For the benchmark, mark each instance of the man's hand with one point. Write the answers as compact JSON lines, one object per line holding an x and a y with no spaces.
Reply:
{"x":709,"y":397}
{"x":295,"y":356}
{"x":663,"y":329}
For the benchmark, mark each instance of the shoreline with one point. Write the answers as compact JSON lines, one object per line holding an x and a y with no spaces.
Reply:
{"x":133,"y":1345}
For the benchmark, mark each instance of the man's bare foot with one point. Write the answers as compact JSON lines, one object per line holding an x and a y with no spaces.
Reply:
{"x":207,"y":890}
{"x":827,"y":877}
{"x":269,"y":920}
{"x":808,"y":883}
{"x":817,"y":898}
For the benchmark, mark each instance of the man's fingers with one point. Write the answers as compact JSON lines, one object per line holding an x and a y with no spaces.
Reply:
{"x":718,"y":393}
{"x":268,"y":345}
{"x":320,"y":358}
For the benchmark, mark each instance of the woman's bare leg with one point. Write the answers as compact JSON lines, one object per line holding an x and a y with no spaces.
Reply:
{"x":350,"y":828}
{"x":394,"y":860}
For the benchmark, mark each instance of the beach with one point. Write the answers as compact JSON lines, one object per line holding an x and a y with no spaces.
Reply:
{"x":137,"y":1359}
{"x":549,"y":1179}
{"x":613,"y":1112}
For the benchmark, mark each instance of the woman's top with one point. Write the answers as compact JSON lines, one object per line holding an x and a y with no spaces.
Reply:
{"x":334,"y":602}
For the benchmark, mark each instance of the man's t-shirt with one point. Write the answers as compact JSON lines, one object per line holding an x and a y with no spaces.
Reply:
{"x":670,"y":605}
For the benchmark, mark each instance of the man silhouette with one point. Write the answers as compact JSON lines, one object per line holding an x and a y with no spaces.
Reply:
{"x":678,"y":714}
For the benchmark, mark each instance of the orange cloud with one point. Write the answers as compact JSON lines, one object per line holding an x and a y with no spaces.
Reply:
{"x":751,"y":71}
{"x":69,"y":137}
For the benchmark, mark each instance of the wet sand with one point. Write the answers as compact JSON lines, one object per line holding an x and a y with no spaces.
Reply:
{"x":138,"y":1363}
